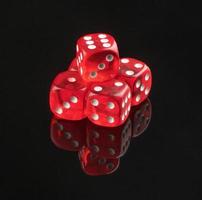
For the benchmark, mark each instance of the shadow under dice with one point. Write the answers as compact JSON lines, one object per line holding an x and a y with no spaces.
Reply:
{"x":97,"y":57}
{"x":95,"y":165}
{"x":108,"y":103}
{"x":138,"y":76}
{"x":67,"y":96}
{"x":109,"y":142}
{"x":68,"y":135}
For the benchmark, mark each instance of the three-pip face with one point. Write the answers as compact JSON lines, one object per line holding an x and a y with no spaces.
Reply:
{"x":97,"y":57}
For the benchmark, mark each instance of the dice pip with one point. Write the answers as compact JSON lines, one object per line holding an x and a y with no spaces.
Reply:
{"x":98,"y":84}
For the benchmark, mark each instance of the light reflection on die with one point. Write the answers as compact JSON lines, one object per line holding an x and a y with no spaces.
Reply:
{"x":100,"y":149}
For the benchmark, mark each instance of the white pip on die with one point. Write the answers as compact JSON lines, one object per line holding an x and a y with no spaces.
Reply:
{"x":97,"y":57}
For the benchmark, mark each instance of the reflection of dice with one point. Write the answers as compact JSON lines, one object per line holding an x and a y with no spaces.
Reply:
{"x":68,"y":135}
{"x":67,"y":96}
{"x":94,"y":165}
{"x":140,"y":116}
{"x":139,"y":78}
{"x":108,"y":103}
{"x":97,"y":57}
{"x":100,"y":148}
{"x":109,"y":142}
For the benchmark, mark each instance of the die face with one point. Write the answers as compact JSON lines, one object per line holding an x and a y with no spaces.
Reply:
{"x":68,"y":135}
{"x":138,"y":76}
{"x":100,"y":67}
{"x":97,"y":57}
{"x":108,"y":103}
{"x":141,"y":93}
{"x":94,"y":165}
{"x":140,"y":116}
{"x":67,"y":96}
{"x":108,"y":142}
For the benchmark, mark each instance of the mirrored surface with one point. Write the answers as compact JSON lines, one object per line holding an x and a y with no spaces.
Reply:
{"x":38,"y":42}
{"x":100,"y":148}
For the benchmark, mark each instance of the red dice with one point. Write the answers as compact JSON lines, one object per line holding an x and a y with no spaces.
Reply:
{"x":108,"y":103}
{"x":138,"y":76}
{"x":97,"y":57}
{"x":67,"y":96}
{"x":98,"y":84}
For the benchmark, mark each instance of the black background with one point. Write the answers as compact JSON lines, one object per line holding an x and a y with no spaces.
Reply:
{"x":39,"y":41}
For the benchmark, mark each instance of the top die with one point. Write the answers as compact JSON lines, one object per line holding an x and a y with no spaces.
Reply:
{"x":97,"y":57}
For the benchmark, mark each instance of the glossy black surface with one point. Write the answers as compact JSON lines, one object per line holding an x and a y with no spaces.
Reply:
{"x":100,"y":149}
{"x":39,"y":41}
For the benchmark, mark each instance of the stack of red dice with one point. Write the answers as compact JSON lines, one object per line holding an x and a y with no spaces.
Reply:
{"x":99,"y":84}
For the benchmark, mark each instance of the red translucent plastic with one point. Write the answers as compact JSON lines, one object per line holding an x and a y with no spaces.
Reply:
{"x":97,"y":57}
{"x":100,"y":148}
{"x":138,"y":76}
{"x":98,"y":84}
{"x":67,"y":96}
{"x":108,"y":103}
